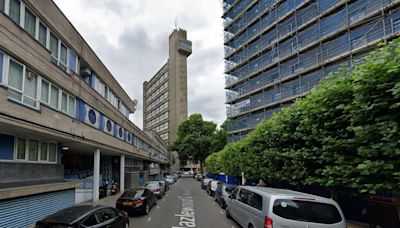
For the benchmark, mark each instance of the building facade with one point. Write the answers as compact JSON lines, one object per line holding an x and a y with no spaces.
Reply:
{"x":278,"y":50}
{"x":64,"y":127}
{"x":165,"y":103}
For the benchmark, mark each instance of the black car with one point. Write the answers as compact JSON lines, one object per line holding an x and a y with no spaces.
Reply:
{"x":222,"y":193}
{"x":137,"y":200}
{"x":86,"y":216}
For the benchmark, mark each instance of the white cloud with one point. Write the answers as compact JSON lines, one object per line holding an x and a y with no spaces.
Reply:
{"x":131,"y":38}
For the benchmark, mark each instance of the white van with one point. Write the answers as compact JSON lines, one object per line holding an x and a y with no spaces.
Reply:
{"x":260,"y":207}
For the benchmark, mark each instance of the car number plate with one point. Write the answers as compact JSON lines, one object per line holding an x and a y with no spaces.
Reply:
{"x":127,"y":203}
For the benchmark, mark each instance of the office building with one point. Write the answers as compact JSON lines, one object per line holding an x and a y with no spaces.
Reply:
{"x":165,"y":103}
{"x":64,"y":127}
{"x":278,"y":50}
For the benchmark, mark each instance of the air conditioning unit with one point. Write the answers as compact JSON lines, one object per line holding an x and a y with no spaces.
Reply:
{"x":86,"y":72}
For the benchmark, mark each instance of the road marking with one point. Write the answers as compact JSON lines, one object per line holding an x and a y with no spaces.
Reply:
{"x":149,"y":219}
{"x":163,"y":200}
{"x":221,"y":212}
{"x":158,"y":207}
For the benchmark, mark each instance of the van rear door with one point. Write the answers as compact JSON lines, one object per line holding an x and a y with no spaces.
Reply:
{"x":306,"y":213}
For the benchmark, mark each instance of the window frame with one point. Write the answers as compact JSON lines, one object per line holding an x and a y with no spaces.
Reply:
{"x":22,"y":91}
{"x":27,"y":147}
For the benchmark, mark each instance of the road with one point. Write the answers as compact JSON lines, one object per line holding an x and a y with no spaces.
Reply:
{"x":174,"y":209}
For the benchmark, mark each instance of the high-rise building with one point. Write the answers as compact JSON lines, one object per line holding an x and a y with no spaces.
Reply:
{"x":278,"y":50}
{"x":64,"y":126}
{"x":165,"y":103}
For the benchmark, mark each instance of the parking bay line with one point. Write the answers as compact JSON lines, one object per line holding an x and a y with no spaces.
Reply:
{"x":149,"y":219}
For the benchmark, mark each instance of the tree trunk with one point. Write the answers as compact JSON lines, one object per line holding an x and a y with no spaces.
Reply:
{"x":201,"y":167}
{"x":334,"y":194}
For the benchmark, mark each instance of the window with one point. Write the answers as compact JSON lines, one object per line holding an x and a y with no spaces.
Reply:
{"x":63,"y":57}
{"x":45,"y":92}
{"x":73,"y":62}
{"x":71,"y":106}
{"x":30,"y":89}
{"x":54,"y":48}
{"x":64,"y":102}
{"x":2,"y":5}
{"x":30,"y":23}
{"x":54,"y":97}
{"x":107,"y":214}
{"x":255,"y":201}
{"x":33,"y":150}
{"x":21,"y":149}
{"x":43,"y":151}
{"x":52,"y":152}
{"x":15,"y":11}
{"x":22,"y":85}
{"x":42,"y":38}
{"x":92,"y":220}
{"x":306,"y":211}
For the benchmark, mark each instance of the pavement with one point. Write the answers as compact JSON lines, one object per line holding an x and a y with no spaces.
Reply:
{"x":184,"y":205}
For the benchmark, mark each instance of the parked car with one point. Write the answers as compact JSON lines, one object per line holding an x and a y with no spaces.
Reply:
{"x":165,"y":185}
{"x":86,"y":216}
{"x":205,"y":182}
{"x":156,"y":188}
{"x":174,"y":177}
{"x":260,"y":207}
{"x":188,"y":174}
{"x":170,"y":181}
{"x":223,"y":192}
{"x":212,"y":187}
{"x":137,"y":200}
{"x":198,"y":177}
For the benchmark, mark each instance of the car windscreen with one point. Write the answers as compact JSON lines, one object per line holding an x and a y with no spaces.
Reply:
{"x":135,"y":194}
{"x":307,"y":211}
{"x":229,"y":189}
{"x":152,"y":184}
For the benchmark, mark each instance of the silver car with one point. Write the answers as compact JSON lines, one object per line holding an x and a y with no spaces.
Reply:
{"x":156,"y":188}
{"x":260,"y":207}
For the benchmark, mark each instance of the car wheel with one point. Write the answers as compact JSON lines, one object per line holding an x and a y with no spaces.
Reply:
{"x":147,"y":209}
{"x":251,"y":226}
{"x":221,"y":203}
{"x":227,"y":213}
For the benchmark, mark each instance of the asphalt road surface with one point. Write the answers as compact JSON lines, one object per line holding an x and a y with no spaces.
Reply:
{"x":184,"y":205}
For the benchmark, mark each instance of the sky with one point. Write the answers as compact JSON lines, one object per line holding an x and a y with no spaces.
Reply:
{"x":131,"y":39}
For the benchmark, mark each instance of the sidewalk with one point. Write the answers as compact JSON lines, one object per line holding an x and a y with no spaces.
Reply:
{"x":109,"y":201}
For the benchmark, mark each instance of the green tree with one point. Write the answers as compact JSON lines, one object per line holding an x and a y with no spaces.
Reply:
{"x":195,"y":140}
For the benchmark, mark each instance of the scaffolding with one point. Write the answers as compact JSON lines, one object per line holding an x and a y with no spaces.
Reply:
{"x":281,"y":54}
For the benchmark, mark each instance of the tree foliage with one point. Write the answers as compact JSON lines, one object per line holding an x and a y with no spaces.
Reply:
{"x":197,"y":138}
{"x":344,"y":134}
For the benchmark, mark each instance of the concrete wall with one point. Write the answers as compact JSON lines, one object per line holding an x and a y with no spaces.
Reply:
{"x":83,"y":195}
{"x":14,"y":173}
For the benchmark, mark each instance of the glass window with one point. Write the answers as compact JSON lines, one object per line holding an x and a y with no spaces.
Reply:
{"x":30,"y":89}
{"x":107,"y":214}
{"x":52,"y":152}
{"x":30,"y":22}
{"x":21,"y":149}
{"x":42,"y":34}
{"x":43,"y":152}
{"x":63,"y":57}
{"x":54,"y":48}
{"x":71,"y":106}
{"x":73,"y":62}
{"x":306,"y":211}
{"x":2,"y":5}
{"x":45,"y":92}
{"x":15,"y":11}
{"x":92,"y":220}
{"x":15,"y":75}
{"x":64,"y":102}
{"x":33,"y":150}
{"x":54,"y":97}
